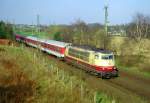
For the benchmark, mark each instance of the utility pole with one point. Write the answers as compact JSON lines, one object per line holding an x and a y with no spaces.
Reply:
{"x":32,"y":28}
{"x":14,"y":25}
{"x":106,"y":19}
{"x":106,"y":24}
{"x":38,"y":23}
{"x":14,"y":28}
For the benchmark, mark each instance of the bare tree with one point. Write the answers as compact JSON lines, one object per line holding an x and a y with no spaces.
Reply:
{"x":81,"y":31}
{"x":139,"y":28}
{"x":67,"y":33}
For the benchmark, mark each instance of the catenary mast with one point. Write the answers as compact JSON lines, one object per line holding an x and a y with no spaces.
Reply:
{"x":106,"y":23}
{"x":106,"y":18}
{"x":38,"y":24}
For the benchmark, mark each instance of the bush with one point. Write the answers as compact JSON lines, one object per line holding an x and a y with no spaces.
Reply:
{"x":6,"y":31}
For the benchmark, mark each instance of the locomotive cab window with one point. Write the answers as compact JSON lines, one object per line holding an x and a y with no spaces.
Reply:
{"x":107,"y":57}
{"x":96,"y":56}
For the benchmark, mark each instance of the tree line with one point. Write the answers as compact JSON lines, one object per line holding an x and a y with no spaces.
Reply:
{"x":94,"y":35}
{"x":81,"y":33}
{"x":6,"y":30}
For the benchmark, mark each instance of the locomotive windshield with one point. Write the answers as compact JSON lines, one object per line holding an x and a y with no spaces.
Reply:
{"x":107,"y":57}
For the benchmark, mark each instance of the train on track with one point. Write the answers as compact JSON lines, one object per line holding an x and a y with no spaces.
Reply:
{"x":98,"y":61}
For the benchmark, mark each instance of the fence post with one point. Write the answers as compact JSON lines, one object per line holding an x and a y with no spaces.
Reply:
{"x":22,"y":45}
{"x":57,"y":72}
{"x":113,"y":101}
{"x":71,"y":85}
{"x":34,"y":56}
{"x":97,"y":98}
{"x":82,"y":93}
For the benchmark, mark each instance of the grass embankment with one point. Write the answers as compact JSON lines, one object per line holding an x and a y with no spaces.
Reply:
{"x":27,"y":77}
{"x":136,"y":64}
{"x":132,"y":56}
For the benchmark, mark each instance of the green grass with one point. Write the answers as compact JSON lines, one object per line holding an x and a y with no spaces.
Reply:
{"x":40,"y":35}
{"x":28,"y":77}
{"x":139,"y":65}
{"x":132,"y":56}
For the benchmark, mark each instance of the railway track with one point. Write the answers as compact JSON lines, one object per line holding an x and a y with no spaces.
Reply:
{"x":137,"y":85}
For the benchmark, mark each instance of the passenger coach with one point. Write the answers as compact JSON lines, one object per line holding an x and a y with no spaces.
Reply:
{"x":52,"y":47}
{"x":55,"y":47}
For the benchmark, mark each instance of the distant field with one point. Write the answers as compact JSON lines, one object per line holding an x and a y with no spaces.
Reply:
{"x":27,"y":77}
{"x":41,"y":34}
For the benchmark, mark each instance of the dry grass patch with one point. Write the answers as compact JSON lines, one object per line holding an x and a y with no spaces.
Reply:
{"x":28,"y":77}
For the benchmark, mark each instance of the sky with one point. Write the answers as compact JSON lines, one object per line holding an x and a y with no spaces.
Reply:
{"x":69,"y":11}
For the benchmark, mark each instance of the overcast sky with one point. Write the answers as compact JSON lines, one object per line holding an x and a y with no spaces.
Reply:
{"x":68,"y":11}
